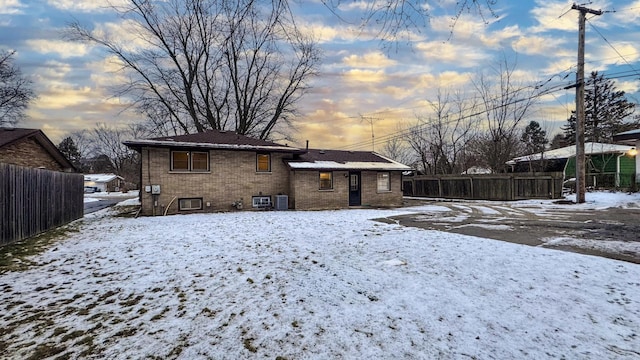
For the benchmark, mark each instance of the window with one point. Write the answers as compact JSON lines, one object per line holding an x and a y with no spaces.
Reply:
{"x":189,"y":161}
{"x":354,"y":180}
{"x":263,"y":163}
{"x":384,"y":181}
{"x":190,"y":204}
{"x":326,"y":180}
{"x":180,"y":160}
{"x":261,"y":201}
{"x":200,"y":161}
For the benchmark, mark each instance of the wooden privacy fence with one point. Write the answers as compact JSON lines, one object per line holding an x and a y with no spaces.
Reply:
{"x":36,"y":200}
{"x":516,"y":186}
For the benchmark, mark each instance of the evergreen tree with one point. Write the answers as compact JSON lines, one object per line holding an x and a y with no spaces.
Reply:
{"x":558,"y":142}
{"x":606,"y":112}
{"x":534,"y":138}
{"x":69,"y":149}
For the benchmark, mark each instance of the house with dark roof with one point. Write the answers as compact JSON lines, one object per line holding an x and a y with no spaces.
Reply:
{"x":31,"y":148}
{"x":222,"y":171}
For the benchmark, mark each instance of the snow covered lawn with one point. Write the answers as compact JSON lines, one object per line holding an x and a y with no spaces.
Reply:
{"x":320,"y":285}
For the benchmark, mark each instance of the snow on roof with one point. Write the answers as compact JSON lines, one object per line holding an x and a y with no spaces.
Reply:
{"x":315,"y":159}
{"x":101,"y":177}
{"x":590,"y":148}
{"x":213,"y":139}
{"x":171,"y":143}
{"x":355,"y":165}
{"x":630,"y":132}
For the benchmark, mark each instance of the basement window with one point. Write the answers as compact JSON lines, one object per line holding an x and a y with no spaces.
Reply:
{"x":190,"y":204}
{"x":261,"y":202}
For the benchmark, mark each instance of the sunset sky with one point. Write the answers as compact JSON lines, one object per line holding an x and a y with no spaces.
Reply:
{"x":362,"y":82}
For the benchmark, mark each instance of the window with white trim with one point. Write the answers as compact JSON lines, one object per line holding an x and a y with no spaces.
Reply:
{"x":261,"y":201}
{"x":384,"y":181}
{"x":196,"y":161}
{"x":190,"y":204}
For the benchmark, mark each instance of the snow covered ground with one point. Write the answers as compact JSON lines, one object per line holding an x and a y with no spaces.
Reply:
{"x":317,"y":285}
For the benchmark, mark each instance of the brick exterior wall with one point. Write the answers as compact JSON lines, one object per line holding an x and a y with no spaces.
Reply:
{"x":232,"y":178}
{"x":308,"y":196}
{"x":371,"y":196}
{"x":29,"y":153}
{"x":305,"y":186}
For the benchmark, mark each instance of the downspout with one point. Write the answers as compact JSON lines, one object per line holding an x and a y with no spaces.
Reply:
{"x":618,"y":170}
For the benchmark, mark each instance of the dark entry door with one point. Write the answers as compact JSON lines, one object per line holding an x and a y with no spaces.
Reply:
{"x":354,"y":189}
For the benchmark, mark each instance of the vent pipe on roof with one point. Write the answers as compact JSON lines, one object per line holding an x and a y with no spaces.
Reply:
{"x":307,"y":144}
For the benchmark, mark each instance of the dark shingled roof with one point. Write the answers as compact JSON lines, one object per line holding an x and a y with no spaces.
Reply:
{"x":9,"y":136}
{"x":218,"y":137}
{"x":210,"y":139}
{"x":627,"y":137}
{"x":315,"y":159}
{"x":341,"y":156}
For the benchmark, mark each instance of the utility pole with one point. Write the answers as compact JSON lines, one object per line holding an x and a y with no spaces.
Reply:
{"x":580,"y":158}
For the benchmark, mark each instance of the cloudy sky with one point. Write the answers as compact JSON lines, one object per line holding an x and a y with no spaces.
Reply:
{"x":364,"y":84}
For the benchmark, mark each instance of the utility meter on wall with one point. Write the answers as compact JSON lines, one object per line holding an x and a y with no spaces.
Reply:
{"x":155,"y":189}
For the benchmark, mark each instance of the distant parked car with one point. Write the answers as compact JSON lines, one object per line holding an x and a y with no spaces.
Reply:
{"x":89,"y":189}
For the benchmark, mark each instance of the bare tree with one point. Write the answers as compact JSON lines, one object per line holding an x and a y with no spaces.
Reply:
{"x":84,"y":143}
{"x":392,"y":20}
{"x":237,"y":65}
{"x":15,"y":91}
{"x":398,"y":149}
{"x":109,"y":142}
{"x":441,"y":138}
{"x":505,"y":102}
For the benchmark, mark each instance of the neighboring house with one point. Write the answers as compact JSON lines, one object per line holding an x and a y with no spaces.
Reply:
{"x":39,"y":186}
{"x":104,"y":182}
{"x":607,"y":164}
{"x":221,"y":171}
{"x":31,"y":148}
{"x":631,"y":138}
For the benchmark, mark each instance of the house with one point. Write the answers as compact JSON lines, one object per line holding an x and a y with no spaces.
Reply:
{"x":103,"y":182}
{"x":31,"y":148}
{"x":608,"y":165}
{"x":631,"y":138}
{"x":221,"y":171}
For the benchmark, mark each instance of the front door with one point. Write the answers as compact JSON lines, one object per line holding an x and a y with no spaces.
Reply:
{"x":354,"y":189}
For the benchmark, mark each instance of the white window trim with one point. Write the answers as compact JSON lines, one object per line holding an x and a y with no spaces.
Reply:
{"x":180,"y":208}
{"x":261,"y":201}
{"x":388,"y":183}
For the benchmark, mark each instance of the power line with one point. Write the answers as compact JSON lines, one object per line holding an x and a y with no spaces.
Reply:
{"x":611,"y":45}
{"x":405,"y":132}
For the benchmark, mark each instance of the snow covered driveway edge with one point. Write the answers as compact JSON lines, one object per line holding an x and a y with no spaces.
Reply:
{"x":329,"y":284}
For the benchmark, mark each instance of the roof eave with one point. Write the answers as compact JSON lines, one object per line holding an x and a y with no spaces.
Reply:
{"x":139,"y":144}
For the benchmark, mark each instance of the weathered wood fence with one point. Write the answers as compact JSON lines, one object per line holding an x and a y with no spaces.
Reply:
{"x":36,"y":200}
{"x":516,"y":186}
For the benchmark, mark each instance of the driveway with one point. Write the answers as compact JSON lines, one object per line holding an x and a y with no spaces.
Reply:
{"x":105,"y":200}
{"x":612,"y":232}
